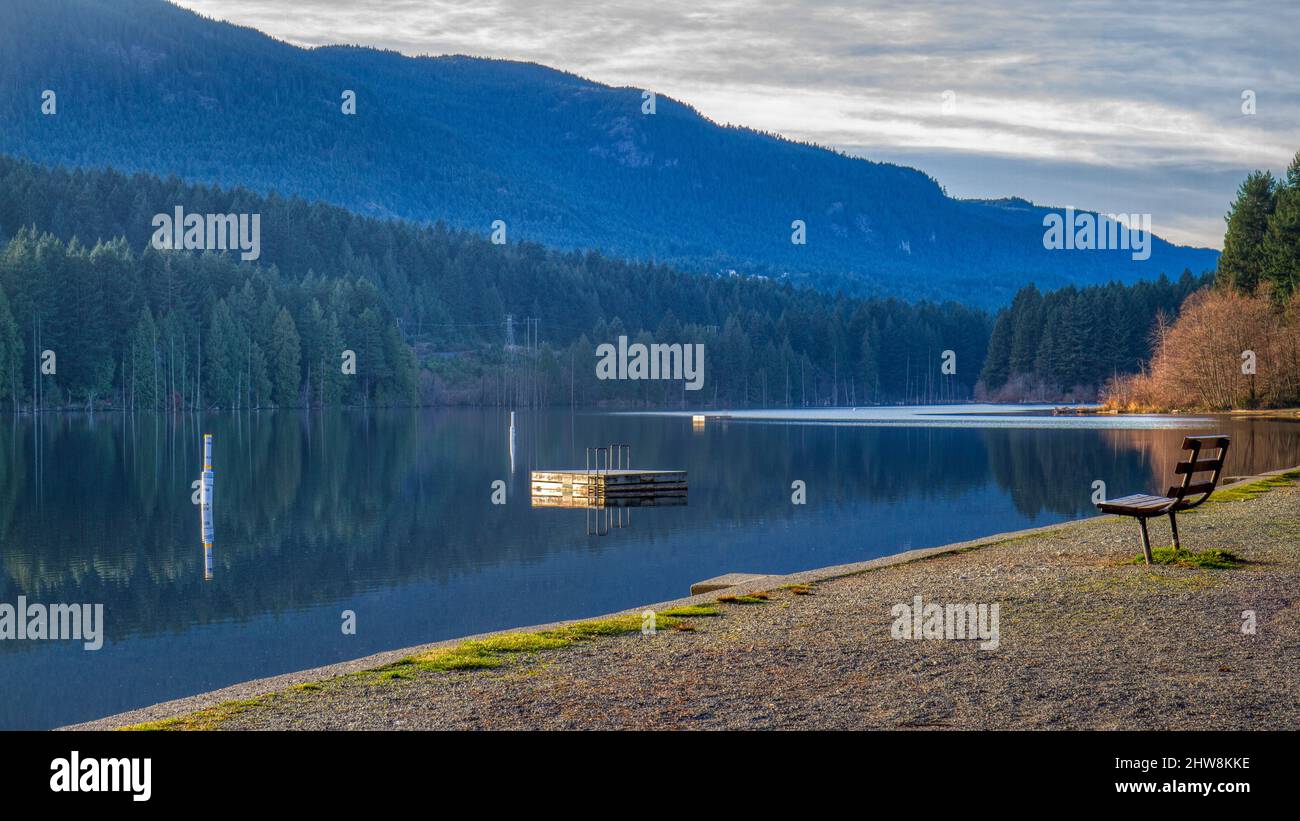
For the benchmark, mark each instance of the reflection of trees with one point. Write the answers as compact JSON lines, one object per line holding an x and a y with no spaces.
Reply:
{"x":313,"y":508}
{"x":310,"y":508}
{"x":1054,"y":469}
{"x":1049,"y":470}
{"x":847,"y":464}
{"x":1256,"y":447}
{"x":114,"y":521}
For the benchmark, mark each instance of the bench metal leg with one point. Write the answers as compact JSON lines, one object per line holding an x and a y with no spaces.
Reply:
{"x":1146,"y":540}
{"x":1173,"y":525}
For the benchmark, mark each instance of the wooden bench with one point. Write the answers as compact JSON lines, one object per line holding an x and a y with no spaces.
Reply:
{"x":1143,"y":507}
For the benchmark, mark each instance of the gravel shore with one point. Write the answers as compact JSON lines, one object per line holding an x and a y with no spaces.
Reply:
{"x":1086,"y":641}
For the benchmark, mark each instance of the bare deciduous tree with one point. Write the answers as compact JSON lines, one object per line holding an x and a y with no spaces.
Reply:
{"x":1226,"y":350}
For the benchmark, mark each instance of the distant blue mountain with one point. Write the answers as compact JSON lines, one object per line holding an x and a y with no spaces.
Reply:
{"x":143,"y":85}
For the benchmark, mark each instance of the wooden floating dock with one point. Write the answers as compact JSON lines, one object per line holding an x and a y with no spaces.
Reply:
{"x":607,"y":485}
{"x":615,"y":484}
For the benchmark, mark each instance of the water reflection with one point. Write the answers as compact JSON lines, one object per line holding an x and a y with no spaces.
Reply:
{"x":609,"y":513}
{"x":385,"y":511}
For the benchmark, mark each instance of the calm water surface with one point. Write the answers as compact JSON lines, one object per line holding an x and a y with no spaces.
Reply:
{"x":389,"y":514}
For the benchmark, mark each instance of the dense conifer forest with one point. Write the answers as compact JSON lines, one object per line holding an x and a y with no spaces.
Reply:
{"x":437,"y":316}
{"x":1069,"y":342}
{"x":431,"y":314}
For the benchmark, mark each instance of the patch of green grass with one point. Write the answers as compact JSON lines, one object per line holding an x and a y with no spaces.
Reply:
{"x":476,"y":654}
{"x":453,"y":658}
{"x":516,"y":643}
{"x":1254,"y":489}
{"x":690,"y":611}
{"x":479,"y":654}
{"x":482,"y":654}
{"x":208,"y":718}
{"x":750,"y":598}
{"x":1212,"y":559}
{"x":494,"y":651}
{"x":437,"y":661}
{"x":613,"y":626}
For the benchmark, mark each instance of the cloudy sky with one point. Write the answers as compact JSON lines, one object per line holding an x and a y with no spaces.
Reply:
{"x":1121,"y":107}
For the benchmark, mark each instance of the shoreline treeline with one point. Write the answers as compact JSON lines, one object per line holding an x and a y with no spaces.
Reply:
{"x":1235,"y":344}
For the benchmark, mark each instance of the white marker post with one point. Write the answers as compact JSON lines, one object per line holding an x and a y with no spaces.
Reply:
{"x":205,"y":505}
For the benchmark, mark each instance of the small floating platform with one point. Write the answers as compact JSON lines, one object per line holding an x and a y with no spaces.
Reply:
{"x":608,"y":484}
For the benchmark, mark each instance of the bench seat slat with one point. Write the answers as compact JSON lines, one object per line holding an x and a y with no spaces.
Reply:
{"x":1137,"y":503}
{"x":1140,"y":498}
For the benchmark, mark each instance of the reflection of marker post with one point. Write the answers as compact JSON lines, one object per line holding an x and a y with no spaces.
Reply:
{"x":205,"y":505}
{"x":512,"y":441}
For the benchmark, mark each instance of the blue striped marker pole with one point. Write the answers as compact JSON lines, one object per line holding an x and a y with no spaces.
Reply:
{"x":205,"y":504}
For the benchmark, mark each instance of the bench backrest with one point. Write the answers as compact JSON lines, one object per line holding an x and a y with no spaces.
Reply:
{"x":1199,"y":462}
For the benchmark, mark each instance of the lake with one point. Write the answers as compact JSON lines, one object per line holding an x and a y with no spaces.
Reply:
{"x":389,"y":514}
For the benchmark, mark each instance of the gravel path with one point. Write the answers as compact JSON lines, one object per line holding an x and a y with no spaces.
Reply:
{"x":1086,"y":641}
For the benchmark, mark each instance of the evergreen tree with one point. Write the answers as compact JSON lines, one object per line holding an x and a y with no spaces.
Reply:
{"x":1242,"y":262}
{"x":1281,"y":244}
{"x":329,"y":379}
{"x":220,"y":349}
{"x":1027,"y":309}
{"x":372,"y":366}
{"x":144,"y":391}
{"x":286,"y":351}
{"x":997,"y":362}
{"x":260,"y":376}
{"x":11,"y":353}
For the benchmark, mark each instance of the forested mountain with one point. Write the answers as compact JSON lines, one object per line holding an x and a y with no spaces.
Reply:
{"x":142,"y":85}
{"x":424,"y":308}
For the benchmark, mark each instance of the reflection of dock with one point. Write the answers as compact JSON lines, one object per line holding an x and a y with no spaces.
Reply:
{"x":581,"y":501}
